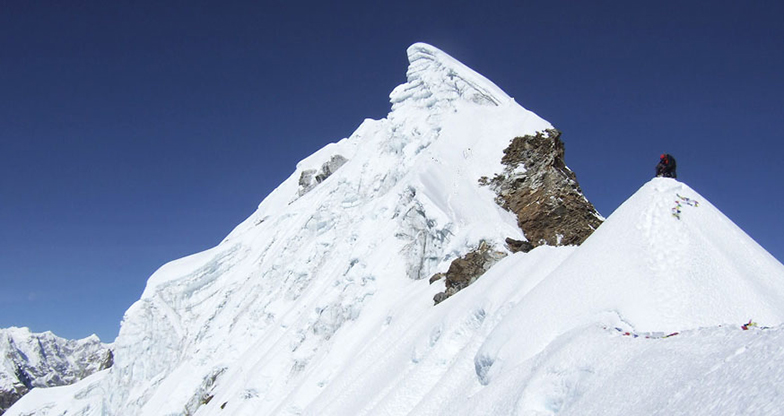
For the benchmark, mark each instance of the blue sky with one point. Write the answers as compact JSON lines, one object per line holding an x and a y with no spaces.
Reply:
{"x":132,"y":134}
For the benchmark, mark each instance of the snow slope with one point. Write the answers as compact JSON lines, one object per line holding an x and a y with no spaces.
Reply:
{"x":647,"y":270}
{"x":319,"y":304}
{"x":86,"y":396}
{"x":596,"y":371}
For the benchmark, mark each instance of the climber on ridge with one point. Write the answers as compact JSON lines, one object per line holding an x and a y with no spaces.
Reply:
{"x":666,"y":166}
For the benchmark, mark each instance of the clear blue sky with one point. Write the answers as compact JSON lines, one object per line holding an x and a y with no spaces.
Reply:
{"x":134,"y":133}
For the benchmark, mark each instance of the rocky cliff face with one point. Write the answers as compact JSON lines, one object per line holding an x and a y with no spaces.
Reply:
{"x":543,"y":193}
{"x":465,"y":270}
{"x":545,"y":197}
{"x":45,"y":360}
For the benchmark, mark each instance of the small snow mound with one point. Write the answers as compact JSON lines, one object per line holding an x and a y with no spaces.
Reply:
{"x":653,"y":272}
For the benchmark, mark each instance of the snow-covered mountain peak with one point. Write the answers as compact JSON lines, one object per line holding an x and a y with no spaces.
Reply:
{"x":435,"y":79}
{"x":333,"y":247}
{"x":31,"y":360}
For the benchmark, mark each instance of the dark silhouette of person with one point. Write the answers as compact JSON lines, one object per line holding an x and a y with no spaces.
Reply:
{"x":666,"y":166}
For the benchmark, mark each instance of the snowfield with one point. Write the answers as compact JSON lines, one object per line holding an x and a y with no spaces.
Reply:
{"x":319,"y":303}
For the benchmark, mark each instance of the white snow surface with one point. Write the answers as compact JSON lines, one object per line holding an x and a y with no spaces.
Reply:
{"x":86,"y":396}
{"x":319,"y":303}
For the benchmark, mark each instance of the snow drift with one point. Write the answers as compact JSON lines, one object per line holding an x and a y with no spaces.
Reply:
{"x":319,"y":302}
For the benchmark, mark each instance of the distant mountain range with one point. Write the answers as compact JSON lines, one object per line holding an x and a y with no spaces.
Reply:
{"x":31,"y":360}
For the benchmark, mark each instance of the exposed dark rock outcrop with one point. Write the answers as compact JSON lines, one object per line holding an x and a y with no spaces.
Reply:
{"x":516,"y":246}
{"x":543,"y":193}
{"x":465,"y":270}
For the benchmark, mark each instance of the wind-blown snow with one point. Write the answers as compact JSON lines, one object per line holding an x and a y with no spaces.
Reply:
{"x":319,"y":304}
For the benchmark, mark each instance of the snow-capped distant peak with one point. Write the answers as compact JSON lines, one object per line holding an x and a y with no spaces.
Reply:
{"x":435,"y":77}
{"x":32,"y":360}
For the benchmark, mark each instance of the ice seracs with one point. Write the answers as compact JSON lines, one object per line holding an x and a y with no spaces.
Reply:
{"x":435,"y":78}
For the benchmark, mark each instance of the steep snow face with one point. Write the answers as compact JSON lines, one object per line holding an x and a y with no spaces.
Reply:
{"x":665,"y":261}
{"x":338,"y":243}
{"x":44,"y":360}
